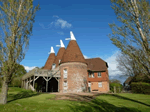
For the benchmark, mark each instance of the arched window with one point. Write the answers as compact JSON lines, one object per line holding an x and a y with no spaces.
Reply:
{"x":65,"y":73}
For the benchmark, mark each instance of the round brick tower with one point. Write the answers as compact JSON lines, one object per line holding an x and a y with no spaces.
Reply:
{"x":73,"y":69}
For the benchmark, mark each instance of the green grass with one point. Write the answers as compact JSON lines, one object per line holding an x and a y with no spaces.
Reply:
{"x":20,"y":100}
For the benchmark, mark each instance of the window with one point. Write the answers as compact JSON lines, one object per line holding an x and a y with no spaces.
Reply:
{"x":99,"y":74}
{"x":92,"y":75}
{"x":65,"y":83}
{"x":53,"y":66}
{"x":89,"y":84}
{"x":89,"y":74}
{"x":99,"y":84}
{"x":65,"y":73}
{"x":59,"y":61}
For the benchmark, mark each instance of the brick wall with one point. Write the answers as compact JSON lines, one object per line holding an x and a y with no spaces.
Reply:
{"x":76,"y":78}
{"x":104,"y":77}
{"x":95,"y":80}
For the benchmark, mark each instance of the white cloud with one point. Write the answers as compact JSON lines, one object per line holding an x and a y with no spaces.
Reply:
{"x":57,"y":23}
{"x":86,"y":57}
{"x":62,"y":23}
{"x":61,"y":33}
{"x":112,"y":65}
{"x":27,"y":68}
{"x":56,"y":16}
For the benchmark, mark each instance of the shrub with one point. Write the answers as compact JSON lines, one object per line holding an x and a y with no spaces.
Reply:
{"x":117,"y":87}
{"x":140,"y":87}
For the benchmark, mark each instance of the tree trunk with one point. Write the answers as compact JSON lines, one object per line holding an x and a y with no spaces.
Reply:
{"x":3,"y":95}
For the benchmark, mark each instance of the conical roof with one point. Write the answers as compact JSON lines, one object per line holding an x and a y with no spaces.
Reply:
{"x":59,"y":55}
{"x":73,"y":52}
{"x":50,"y":60}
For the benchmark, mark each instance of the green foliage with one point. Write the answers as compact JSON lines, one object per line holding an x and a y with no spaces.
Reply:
{"x":117,"y":85}
{"x":132,"y":34}
{"x":140,"y":87}
{"x":0,"y":81}
{"x":16,"y":82}
{"x":16,"y":23}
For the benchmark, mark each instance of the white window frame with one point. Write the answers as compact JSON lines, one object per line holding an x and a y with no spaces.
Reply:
{"x":65,"y":73}
{"x":65,"y":84}
{"x":100,"y":84}
{"x":98,"y":74}
{"x":89,"y":84}
{"x":92,"y":74}
{"x":89,"y":75}
{"x":53,"y":66}
{"x":59,"y":61}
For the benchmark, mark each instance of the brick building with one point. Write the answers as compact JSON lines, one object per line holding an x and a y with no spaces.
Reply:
{"x":69,"y":71}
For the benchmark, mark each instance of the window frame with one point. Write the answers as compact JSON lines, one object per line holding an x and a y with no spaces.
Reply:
{"x":100,"y":83}
{"x":92,"y":74}
{"x":53,"y":66}
{"x":98,"y":74}
{"x":65,"y":83}
{"x":65,"y":75}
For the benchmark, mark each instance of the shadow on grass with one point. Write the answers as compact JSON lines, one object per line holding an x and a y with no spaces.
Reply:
{"x":125,"y":98}
{"x":89,"y":103}
{"x":21,"y":95}
{"x":97,"y":105}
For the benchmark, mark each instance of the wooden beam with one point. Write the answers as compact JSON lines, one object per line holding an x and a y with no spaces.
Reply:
{"x":33,"y":82}
{"x":36,"y":78}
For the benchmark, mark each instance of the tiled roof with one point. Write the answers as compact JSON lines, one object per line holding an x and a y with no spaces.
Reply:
{"x":128,"y":80}
{"x":96,"y":64}
{"x":50,"y":61}
{"x":73,"y":53}
{"x":59,"y":55}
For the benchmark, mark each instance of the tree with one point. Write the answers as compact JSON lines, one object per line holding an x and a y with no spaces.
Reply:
{"x":16,"y":21}
{"x":17,"y":76}
{"x":132,"y":35}
{"x":114,"y":81}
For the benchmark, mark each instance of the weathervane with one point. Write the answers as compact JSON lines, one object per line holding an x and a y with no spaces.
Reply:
{"x":52,"y":50}
{"x":61,"y":44}
{"x":72,"y":37}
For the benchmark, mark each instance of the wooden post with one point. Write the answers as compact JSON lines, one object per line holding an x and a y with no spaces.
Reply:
{"x":46,"y":85}
{"x":114,"y":89}
{"x":26,"y":83}
{"x":33,"y":82}
{"x":58,"y":85}
{"x":30,"y":83}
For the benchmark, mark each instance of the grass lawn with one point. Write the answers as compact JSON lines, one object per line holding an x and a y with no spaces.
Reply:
{"x":20,"y":100}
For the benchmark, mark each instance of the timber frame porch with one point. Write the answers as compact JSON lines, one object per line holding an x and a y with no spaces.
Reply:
{"x":28,"y":80}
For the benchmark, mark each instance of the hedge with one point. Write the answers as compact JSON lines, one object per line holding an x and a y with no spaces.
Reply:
{"x":140,"y":87}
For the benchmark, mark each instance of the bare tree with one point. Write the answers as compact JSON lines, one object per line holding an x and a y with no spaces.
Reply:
{"x":16,"y":22}
{"x":132,"y":36}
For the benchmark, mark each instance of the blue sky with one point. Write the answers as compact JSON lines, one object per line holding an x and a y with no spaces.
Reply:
{"x":89,"y":22}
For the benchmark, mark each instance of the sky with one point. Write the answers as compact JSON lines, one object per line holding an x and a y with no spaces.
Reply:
{"x":87,"y":19}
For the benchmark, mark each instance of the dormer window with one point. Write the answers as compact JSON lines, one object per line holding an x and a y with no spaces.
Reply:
{"x":59,"y":61}
{"x":53,"y":66}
